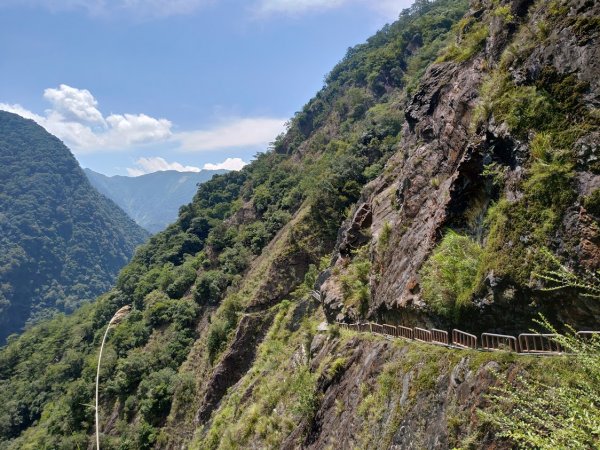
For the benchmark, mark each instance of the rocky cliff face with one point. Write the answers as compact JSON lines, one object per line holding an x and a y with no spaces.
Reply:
{"x":440,"y":177}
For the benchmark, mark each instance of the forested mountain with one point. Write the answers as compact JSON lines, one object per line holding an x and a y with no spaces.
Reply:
{"x":445,"y":176}
{"x":61,"y":242}
{"x":151,"y":200}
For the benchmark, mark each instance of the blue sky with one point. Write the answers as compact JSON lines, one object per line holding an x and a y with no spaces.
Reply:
{"x":135,"y":86}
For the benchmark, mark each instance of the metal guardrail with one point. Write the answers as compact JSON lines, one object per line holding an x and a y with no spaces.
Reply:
{"x":463,"y":340}
{"x":364,"y":327}
{"x":376,"y":328}
{"x":421,"y":334}
{"x":439,"y":337}
{"x":526,"y":343}
{"x":491,"y":341}
{"x":390,"y":330}
{"x":539,"y":343}
{"x":588,"y":334}
{"x":405,"y":332}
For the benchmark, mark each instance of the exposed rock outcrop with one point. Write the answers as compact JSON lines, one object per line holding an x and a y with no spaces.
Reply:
{"x":235,"y":363}
{"x":411,"y":417}
{"x":437,"y":174}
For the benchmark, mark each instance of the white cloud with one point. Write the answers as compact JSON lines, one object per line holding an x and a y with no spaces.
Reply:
{"x":389,"y":9}
{"x":297,"y":6}
{"x":74,"y":104}
{"x":132,"y":172}
{"x":23,"y":112}
{"x":228,"y":164}
{"x":246,"y":132}
{"x":157,"y":164}
{"x":136,"y":129}
{"x":75,"y":118}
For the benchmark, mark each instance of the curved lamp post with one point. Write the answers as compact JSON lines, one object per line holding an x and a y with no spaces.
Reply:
{"x":116,"y":319}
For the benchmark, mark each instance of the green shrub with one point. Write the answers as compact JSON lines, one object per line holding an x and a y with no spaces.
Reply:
{"x":336,"y":367}
{"x":255,"y":236}
{"x":234,"y":260}
{"x":156,"y":392}
{"x":184,"y":278}
{"x":547,"y":416}
{"x":384,"y":238}
{"x":129,"y":372}
{"x":304,"y":385}
{"x":592,"y":203}
{"x":519,"y":229}
{"x":221,"y":326}
{"x":472,"y":35}
{"x":449,"y":276}
{"x":211,"y":286}
{"x":523,"y":108}
{"x":355,"y":281}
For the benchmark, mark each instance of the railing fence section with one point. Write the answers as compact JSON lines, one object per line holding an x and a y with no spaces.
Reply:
{"x":588,"y":334}
{"x":421,"y":334}
{"x":491,"y":341}
{"x":376,"y":328}
{"x":390,"y":330}
{"x":463,"y":340}
{"x":405,"y":332}
{"x":525,"y":343}
{"x":439,"y":337}
{"x":539,"y":343}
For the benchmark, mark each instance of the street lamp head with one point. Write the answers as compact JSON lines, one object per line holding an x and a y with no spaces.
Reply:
{"x":120,"y":315}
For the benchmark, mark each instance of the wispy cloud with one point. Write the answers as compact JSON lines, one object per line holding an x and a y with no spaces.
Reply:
{"x":75,"y":118}
{"x":267,"y":7}
{"x":157,"y":164}
{"x":155,"y":9}
{"x":389,"y":9}
{"x":244,"y":132}
{"x":228,"y":164}
{"x":144,"y":9}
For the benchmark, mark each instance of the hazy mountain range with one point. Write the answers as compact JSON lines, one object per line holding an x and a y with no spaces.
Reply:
{"x":152,"y":200}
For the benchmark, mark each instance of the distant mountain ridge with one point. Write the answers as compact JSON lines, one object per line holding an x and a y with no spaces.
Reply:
{"x":152,"y":200}
{"x":61,"y":242}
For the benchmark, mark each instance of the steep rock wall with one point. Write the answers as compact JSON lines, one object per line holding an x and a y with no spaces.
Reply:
{"x":438,"y":172}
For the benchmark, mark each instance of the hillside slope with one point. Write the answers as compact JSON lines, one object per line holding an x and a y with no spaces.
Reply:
{"x":152,"y":200}
{"x":458,"y":140}
{"x":61,"y":243}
